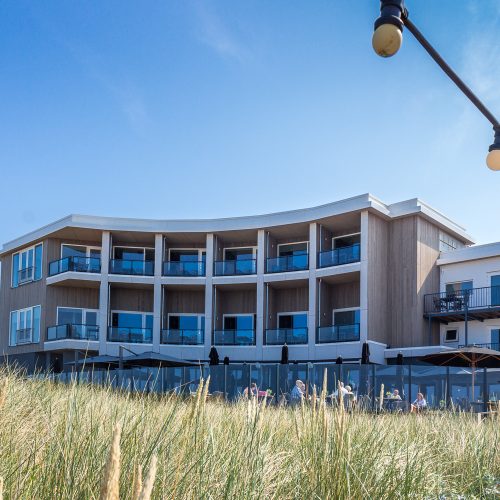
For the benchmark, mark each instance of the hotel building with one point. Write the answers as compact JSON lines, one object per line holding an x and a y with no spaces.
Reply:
{"x":324,"y":280}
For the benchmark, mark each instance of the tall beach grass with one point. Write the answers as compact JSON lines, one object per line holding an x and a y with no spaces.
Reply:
{"x":67,"y":441}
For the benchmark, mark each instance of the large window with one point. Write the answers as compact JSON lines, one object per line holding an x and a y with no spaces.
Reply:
{"x":346,"y":317}
{"x":347,"y":240}
{"x":458,"y":287}
{"x":240,"y":253}
{"x":292,"y":321}
{"x":127,"y":326}
{"x":25,"y":326}
{"x":76,"y":316}
{"x":239,"y":322}
{"x":27,"y":265}
{"x":132,"y":253}
{"x":186,"y":322}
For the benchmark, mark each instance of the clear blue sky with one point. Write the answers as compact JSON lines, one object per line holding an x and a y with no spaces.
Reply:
{"x":189,"y":109}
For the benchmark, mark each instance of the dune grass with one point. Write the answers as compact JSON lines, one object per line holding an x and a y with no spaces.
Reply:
{"x":55,"y":442}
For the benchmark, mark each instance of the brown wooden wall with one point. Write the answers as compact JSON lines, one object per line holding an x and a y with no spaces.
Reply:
{"x":337,"y":296}
{"x":286,"y":300}
{"x":62,"y":296}
{"x":184,"y":301}
{"x":234,"y":302}
{"x":131,"y":299}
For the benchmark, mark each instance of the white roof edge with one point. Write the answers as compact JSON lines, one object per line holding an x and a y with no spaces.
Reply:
{"x":477,"y":252}
{"x":353,"y":204}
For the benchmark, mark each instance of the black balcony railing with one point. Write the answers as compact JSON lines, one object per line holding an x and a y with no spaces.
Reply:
{"x":281,"y":336}
{"x":339,"y":256}
{"x":132,"y":267}
{"x":73,"y":331}
{"x":494,"y":347}
{"x":75,"y":263}
{"x":183,"y":337}
{"x":337,"y":333}
{"x":234,"y":337}
{"x":24,"y":336}
{"x":458,"y":302}
{"x":286,"y":263}
{"x":25,"y":275}
{"x":235,"y":267}
{"x":174,"y":268}
{"x":131,"y":335}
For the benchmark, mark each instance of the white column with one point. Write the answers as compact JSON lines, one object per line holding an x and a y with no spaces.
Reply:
{"x":209,"y":268}
{"x":261,"y":256}
{"x":312,"y":317}
{"x":104,"y":291}
{"x":157,"y":305}
{"x":363,"y":279}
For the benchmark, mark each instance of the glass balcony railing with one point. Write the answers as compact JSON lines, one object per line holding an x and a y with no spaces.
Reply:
{"x":286,"y":263}
{"x":75,"y":263}
{"x":286,"y":335}
{"x":234,"y":337}
{"x":235,"y":267}
{"x":130,"y":334}
{"x":72,"y":331}
{"x":132,"y":267}
{"x":183,"y":337}
{"x":339,"y":256}
{"x":195,"y":268}
{"x":337,"y":333}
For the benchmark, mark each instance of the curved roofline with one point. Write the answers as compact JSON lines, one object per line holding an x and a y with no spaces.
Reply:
{"x":354,"y":204}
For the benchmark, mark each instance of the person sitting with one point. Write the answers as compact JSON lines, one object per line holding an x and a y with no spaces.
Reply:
{"x":395,"y":395}
{"x":297,"y":393}
{"x":253,"y":391}
{"x":419,"y":404}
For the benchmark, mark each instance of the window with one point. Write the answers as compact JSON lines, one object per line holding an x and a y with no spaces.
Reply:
{"x":495,"y":339}
{"x":133,"y":253}
{"x":25,"y":326}
{"x":190,"y":255}
{"x":240,"y":253}
{"x":131,"y":320}
{"x":80,"y":251}
{"x":186,"y":322}
{"x":238,"y":322}
{"x":460,"y":286}
{"x":346,"y":241}
{"x":293,"y":320}
{"x":76,"y":316}
{"x":495,"y":290}
{"x":292,"y":249}
{"x":346,"y":317}
{"x":27,"y":265}
{"x":451,"y":335}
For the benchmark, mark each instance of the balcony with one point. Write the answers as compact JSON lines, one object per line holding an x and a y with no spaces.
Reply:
{"x":286,"y":263}
{"x":234,"y":337}
{"x":289,"y":336}
{"x":130,"y":335}
{"x":477,"y":303}
{"x":494,"y":347}
{"x":235,"y":267}
{"x":337,"y":333}
{"x":187,"y":268}
{"x":73,"y":332}
{"x":132,"y":267}
{"x":74,"y":263}
{"x":339,"y":256}
{"x":183,"y":337}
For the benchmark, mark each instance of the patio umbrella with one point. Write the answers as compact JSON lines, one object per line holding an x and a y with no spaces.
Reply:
{"x":365,"y":354}
{"x":213,"y":356}
{"x":284,"y":355}
{"x":470,"y":356}
{"x":399,"y":374}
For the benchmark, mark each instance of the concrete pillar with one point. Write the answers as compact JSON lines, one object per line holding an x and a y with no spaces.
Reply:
{"x":157,"y":295}
{"x":312,"y":317}
{"x":209,"y":269}
{"x":363,"y":280}
{"x":104,"y":291}
{"x":259,"y":327}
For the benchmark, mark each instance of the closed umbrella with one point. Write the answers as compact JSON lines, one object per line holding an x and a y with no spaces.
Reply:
{"x":365,"y":354}
{"x":284,"y":355}
{"x":226,"y":360}
{"x":339,"y":360}
{"x":213,"y":356}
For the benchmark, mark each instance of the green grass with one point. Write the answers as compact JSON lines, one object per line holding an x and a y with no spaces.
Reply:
{"x":54,"y":441}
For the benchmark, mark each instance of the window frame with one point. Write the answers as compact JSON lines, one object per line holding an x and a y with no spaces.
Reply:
{"x":87,"y":248}
{"x":457,"y":336}
{"x":200,"y":252}
{"x":458,"y":282}
{"x":142,"y":313}
{"x":133,"y":247}
{"x":292,"y":243}
{"x":84,"y":312}
{"x":18,"y":311}
{"x":19,"y":269}
{"x":291,"y":313}
{"x":199,"y":315}
{"x":229,"y":315}
{"x":345,"y":236}
{"x":254,"y":251}
{"x":345,"y":309}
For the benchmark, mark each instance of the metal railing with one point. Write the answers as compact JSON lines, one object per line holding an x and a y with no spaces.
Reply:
{"x":234,"y":337}
{"x":339,"y":256}
{"x":281,"y":336}
{"x":474,"y":298}
{"x":175,"y":268}
{"x":24,"y":336}
{"x":235,"y":267}
{"x":25,"y":275}
{"x":75,"y":263}
{"x":183,"y":337}
{"x":129,"y":334}
{"x":337,"y":333}
{"x":73,"y":331}
{"x":494,"y":346}
{"x":132,"y":267}
{"x":287,"y":263}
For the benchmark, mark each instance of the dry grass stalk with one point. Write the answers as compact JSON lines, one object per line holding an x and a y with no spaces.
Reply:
{"x":149,"y":482}
{"x":110,"y":486}
{"x":381,"y":397}
{"x":137,"y":484}
{"x":3,"y":391}
{"x":1,"y":488}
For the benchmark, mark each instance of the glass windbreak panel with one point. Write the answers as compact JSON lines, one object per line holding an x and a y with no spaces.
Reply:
{"x":495,"y":339}
{"x":69,"y":316}
{"x":453,"y":288}
{"x":292,"y":249}
{"x":346,"y":241}
{"x":126,"y":320}
{"x":123,"y":253}
{"x":73,"y":251}
{"x":495,"y":290}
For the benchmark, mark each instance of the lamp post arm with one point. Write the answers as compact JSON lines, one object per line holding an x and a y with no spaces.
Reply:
{"x":446,"y":68}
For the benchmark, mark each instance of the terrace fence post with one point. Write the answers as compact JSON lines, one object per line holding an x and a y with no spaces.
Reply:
{"x":486,"y":395}
{"x":372,"y":388}
{"x":225,"y":382}
{"x":409,"y":384}
{"x":448,"y":388}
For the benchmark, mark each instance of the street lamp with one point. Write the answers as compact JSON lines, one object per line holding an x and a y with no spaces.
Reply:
{"x":387,"y":40}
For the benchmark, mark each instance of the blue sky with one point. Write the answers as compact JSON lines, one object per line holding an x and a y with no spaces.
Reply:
{"x":194,"y":109}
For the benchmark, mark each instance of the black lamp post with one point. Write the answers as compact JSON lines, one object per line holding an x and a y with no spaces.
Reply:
{"x":387,"y":40}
